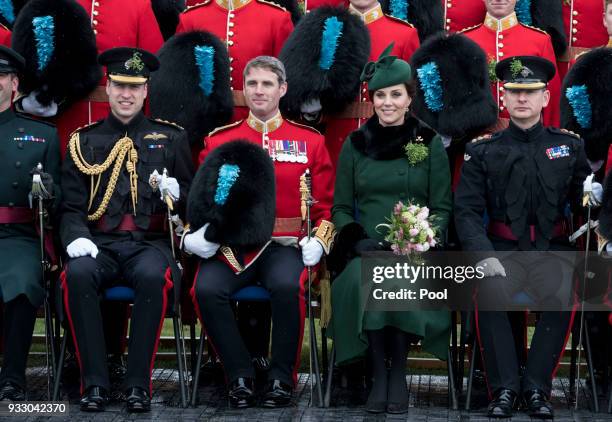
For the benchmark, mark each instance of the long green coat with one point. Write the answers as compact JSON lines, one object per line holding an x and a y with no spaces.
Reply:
{"x":23,"y":144}
{"x":373,"y":174}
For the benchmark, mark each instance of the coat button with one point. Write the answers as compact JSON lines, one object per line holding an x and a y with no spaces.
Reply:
{"x":21,"y":130}
{"x":15,"y":185}
{"x":18,"y":164}
{"x":20,"y":145}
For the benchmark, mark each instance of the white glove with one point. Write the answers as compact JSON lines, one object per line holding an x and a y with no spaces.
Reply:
{"x":312,"y":251}
{"x":82,"y":247}
{"x":491,"y":267}
{"x":197,"y":244}
{"x":166,"y":185}
{"x":594,"y":190}
{"x":30,"y":105}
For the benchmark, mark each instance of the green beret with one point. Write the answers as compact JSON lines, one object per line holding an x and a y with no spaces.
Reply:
{"x":386,"y":71}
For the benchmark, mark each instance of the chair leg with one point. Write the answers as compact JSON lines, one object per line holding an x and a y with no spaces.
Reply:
{"x":452,"y":391}
{"x":60,"y":365}
{"x":315,"y":361}
{"x":573,"y":359}
{"x":180,"y":355}
{"x":192,"y":345}
{"x":328,"y":380}
{"x":589,"y":357}
{"x":324,"y":354}
{"x":196,"y":373}
{"x":470,"y":380}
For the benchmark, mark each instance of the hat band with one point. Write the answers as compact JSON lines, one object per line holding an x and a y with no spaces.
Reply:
{"x":524,"y":85}
{"x":126,"y":79}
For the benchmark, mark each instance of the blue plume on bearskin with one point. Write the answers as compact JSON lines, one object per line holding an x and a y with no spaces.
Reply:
{"x":7,"y":10}
{"x":234,"y":190}
{"x":44,"y":34}
{"x":578,"y":97}
{"x":431,"y":84}
{"x":329,"y":41}
{"x":204,"y":58}
{"x":399,"y":9}
{"x":523,"y":11}
{"x":228,"y":174}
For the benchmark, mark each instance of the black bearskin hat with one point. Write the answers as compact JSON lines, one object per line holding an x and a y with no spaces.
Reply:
{"x":167,"y":14}
{"x":324,"y":57}
{"x":585,"y":101}
{"x":56,"y":39}
{"x":192,"y":85}
{"x":427,"y":16}
{"x":548,"y":16}
{"x":234,"y":191}
{"x":453,"y":91}
{"x":605,"y":215}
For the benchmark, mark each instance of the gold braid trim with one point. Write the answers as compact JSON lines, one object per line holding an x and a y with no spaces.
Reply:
{"x":122,"y":148}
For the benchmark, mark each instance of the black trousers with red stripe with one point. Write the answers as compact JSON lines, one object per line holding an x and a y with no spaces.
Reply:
{"x":540,"y":276}
{"x":132,"y":263}
{"x":278,"y":269}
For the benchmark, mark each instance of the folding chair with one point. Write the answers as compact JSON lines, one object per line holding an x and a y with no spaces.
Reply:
{"x":126,"y":294}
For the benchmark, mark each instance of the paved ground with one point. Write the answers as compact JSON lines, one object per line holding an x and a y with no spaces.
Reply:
{"x":428,"y":395}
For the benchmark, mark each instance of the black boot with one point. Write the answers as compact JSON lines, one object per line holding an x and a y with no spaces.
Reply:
{"x":502,"y":405}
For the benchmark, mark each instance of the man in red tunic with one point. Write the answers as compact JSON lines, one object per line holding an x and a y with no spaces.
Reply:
{"x":582,"y":21}
{"x":249,"y":28}
{"x":279,"y":266}
{"x":501,"y":35}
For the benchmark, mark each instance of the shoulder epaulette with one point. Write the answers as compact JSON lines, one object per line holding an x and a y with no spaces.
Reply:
{"x":469,"y":28}
{"x":562,"y":131}
{"x":222,"y":128}
{"x":27,"y":117}
{"x":90,"y":125}
{"x":195,"y":6}
{"x":480,"y":138}
{"x":399,"y":20}
{"x":487,"y":137}
{"x":304,"y":126}
{"x":535,"y":28}
{"x":169,"y":123}
{"x":271,"y":3}
{"x":4,"y":26}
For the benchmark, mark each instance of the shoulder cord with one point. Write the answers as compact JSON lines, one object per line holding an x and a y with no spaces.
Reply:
{"x":122,"y":148}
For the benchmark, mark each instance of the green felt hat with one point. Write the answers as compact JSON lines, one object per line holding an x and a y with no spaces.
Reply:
{"x":386,"y":71}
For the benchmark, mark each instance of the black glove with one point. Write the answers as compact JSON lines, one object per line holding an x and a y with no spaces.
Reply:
{"x":367,"y":245}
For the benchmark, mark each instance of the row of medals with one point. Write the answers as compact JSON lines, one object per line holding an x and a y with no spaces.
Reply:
{"x":286,"y":151}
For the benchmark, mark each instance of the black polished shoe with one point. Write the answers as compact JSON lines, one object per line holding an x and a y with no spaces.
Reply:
{"x":502,"y":405}
{"x":278,"y":394}
{"x":537,"y":405}
{"x":94,"y":399}
{"x":11,"y":391}
{"x":138,"y":400}
{"x":242,"y":393}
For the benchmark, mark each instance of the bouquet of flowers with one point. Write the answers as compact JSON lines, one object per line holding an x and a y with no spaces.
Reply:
{"x":411,"y":229}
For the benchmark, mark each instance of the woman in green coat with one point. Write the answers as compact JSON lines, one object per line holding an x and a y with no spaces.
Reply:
{"x":373,"y":174}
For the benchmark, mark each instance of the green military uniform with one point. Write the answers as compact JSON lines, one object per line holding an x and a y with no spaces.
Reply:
{"x":373,"y":175}
{"x":25,"y":143}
